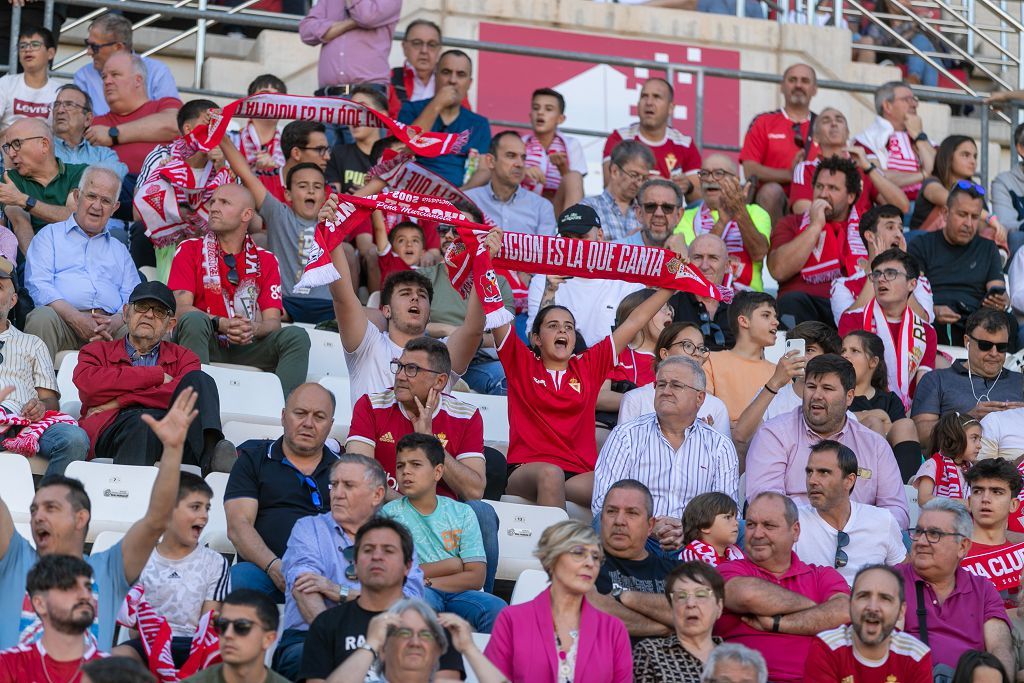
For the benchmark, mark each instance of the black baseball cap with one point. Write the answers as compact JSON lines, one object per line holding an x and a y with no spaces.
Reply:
{"x":154,"y":291}
{"x":578,"y":220}
{"x":6,"y":269}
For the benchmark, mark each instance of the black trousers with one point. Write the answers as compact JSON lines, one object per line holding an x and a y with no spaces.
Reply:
{"x":798,"y":307}
{"x":130,"y":441}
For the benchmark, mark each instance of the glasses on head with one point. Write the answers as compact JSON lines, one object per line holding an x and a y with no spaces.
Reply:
{"x":410,"y":369}
{"x":582,"y":553}
{"x":632,"y":175}
{"x":690,"y":348}
{"x":349,"y":554}
{"x":887,"y":275}
{"x":985,"y":345}
{"x":699,"y":594}
{"x":930,"y":535}
{"x":420,"y":44}
{"x":717,"y":174}
{"x":68,"y":104}
{"x":242,"y":626}
{"x":662,"y":384}
{"x":96,"y":47}
{"x":404,"y":633}
{"x":30,"y":45}
{"x":652,"y":207}
{"x":16,"y":143}
{"x":158,"y":311}
{"x":971,"y":188}
{"x":321,"y":150}
{"x":231,"y":261}
{"x":710,"y":328}
{"x":798,"y":135}
{"x":842,"y":540}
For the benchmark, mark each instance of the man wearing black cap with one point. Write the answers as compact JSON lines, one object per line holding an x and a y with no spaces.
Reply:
{"x":592,"y":301}
{"x":143,"y":373}
{"x":26,"y":365}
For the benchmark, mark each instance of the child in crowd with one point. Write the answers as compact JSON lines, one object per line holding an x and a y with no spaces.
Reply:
{"x":399,"y":249}
{"x":446,"y":535}
{"x":555,"y":165}
{"x":182,"y":579}
{"x":710,"y":529}
{"x":995,"y":484}
{"x":955,"y":444}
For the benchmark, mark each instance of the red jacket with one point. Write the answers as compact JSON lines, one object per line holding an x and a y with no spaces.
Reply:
{"x":104,"y":373}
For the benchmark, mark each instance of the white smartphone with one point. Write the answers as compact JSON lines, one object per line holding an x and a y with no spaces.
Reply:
{"x":797,"y":345}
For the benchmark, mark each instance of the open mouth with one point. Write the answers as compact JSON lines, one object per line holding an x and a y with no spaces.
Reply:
{"x":414,"y":310}
{"x":561,"y":343}
{"x":197,"y":529}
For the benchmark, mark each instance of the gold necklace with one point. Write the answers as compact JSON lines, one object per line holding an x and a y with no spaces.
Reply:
{"x":76,"y":675}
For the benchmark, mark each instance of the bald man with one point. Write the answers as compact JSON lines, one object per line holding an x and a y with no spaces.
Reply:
{"x":228,"y":292}
{"x":36,"y":189}
{"x":708,"y":253}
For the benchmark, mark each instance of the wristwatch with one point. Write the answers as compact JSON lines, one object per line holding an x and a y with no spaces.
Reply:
{"x":616,"y":593}
{"x":30,"y":203}
{"x":368,"y":648}
{"x":342,"y":593}
{"x":921,"y":137}
{"x":113,"y":132}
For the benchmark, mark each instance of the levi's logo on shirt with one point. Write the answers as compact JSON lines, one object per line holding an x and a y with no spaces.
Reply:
{"x":32,"y":109}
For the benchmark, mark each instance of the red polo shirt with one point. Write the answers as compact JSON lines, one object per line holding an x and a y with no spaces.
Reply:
{"x":187,"y":274}
{"x":134,"y":153}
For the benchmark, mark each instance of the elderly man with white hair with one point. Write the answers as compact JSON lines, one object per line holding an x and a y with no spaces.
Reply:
{"x":710,"y":254}
{"x":78,"y":274}
{"x":735,"y":663}
{"x":670,"y":451}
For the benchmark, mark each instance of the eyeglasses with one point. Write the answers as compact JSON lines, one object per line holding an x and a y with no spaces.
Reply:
{"x":96,"y":47}
{"x":30,"y":45}
{"x":690,"y":348}
{"x":632,"y":175}
{"x":349,"y":555}
{"x":652,"y":207}
{"x":17,"y":143}
{"x":930,"y":535}
{"x":972,"y":188}
{"x":798,"y":135}
{"x":403,"y":633}
{"x":717,"y":174}
{"x":842,"y":540}
{"x":699,"y":594}
{"x":887,"y":275}
{"x":158,"y":311}
{"x":663,"y":384}
{"x":68,"y":104}
{"x":907,"y":98}
{"x":242,"y":626}
{"x":581,"y":554}
{"x":232,"y":263}
{"x":707,"y":327}
{"x":985,"y":346}
{"x":443,"y":229}
{"x":411,"y":369}
{"x":322,"y":151}
{"x":420,"y":44}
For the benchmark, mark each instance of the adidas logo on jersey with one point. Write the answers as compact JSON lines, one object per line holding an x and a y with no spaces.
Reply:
{"x":387,"y":438}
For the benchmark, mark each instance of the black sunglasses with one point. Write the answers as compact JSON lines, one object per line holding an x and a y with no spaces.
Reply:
{"x":242,"y":626}
{"x":842,"y":540}
{"x":707,"y":327}
{"x":983,"y":345}
{"x":798,"y":136}
{"x":232,"y":263}
{"x":349,"y":554}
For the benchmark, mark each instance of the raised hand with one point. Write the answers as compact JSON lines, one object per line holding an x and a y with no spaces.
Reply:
{"x":459,"y":629}
{"x":9,"y":192}
{"x":173,"y":428}
{"x":328,"y":210}
{"x":423,"y":422}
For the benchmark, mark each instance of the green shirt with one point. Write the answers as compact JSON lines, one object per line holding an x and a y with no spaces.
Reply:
{"x":761,"y":220}
{"x":215,"y":675}
{"x":56,"y":193}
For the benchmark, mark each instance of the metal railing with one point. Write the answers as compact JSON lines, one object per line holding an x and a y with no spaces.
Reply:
{"x":240,"y":16}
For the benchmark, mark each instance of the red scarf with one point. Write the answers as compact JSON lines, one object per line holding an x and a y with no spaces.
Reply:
{"x":26,"y":441}
{"x":326,"y":110}
{"x":837,"y":252}
{"x":537,"y":156}
{"x":699,"y":551}
{"x":251,"y":147}
{"x":949,"y":479}
{"x":248,"y":272}
{"x":902,"y":356}
{"x":1001,"y":566}
{"x":741,"y":266}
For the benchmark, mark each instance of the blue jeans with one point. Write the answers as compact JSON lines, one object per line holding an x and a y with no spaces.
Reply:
{"x":288,"y":655}
{"x":478,"y":608}
{"x":487,"y":377}
{"x":248,"y":575}
{"x":488,"y":520}
{"x":62,"y":444}
{"x":303,"y":310}
{"x":916,"y":66}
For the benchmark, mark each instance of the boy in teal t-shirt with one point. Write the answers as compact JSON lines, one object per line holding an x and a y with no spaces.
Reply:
{"x":446,"y":535}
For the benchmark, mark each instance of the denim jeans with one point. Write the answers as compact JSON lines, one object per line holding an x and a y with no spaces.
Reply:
{"x":62,"y":444}
{"x":927,"y":73}
{"x":480,"y":609}
{"x":487,"y":377}
{"x":288,"y":655}
{"x":488,"y":520}
{"x":248,"y":575}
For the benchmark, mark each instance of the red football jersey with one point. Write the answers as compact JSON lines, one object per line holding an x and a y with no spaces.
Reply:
{"x":675,"y":153}
{"x":770,"y":139}
{"x":187,"y":271}
{"x":634,"y":366}
{"x":554,"y":411}
{"x":802,"y":187}
{"x":832,"y":659}
{"x":31,"y":664}
{"x":380,"y":421}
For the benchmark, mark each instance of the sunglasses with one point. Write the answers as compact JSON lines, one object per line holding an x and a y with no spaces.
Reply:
{"x":652,"y":207}
{"x":798,"y":136}
{"x":242,"y":626}
{"x":971,"y":187}
{"x":984,"y":345}
{"x":96,"y":47}
{"x":842,"y":540}
{"x":444,"y":229}
{"x":232,"y":263}
{"x":2,"y":342}
{"x":158,"y":311}
{"x":707,"y":327}
{"x":349,"y":554}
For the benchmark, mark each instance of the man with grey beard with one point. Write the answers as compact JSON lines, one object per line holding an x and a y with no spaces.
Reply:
{"x":659,"y":204}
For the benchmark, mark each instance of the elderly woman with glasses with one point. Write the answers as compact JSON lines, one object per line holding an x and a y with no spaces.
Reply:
{"x":697,"y":595}
{"x":559,"y":637}
{"x":406,"y":643}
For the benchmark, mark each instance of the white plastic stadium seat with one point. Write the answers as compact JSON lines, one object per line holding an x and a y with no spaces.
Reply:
{"x":575,"y":511}
{"x":105,"y":541}
{"x":530,"y":584}
{"x":341,"y":388}
{"x":493,"y":411}
{"x":519,"y":529}
{"x":480,"y":640}
{"x":119,"y":494}
{"x":326,"y":355}
{"x":70,"y":403}
{"x":239,"y":432}
{"x":248,"y":396}
{"x":16,"y":486}
{"x":915,"y":510}
{"x":215,"y":534}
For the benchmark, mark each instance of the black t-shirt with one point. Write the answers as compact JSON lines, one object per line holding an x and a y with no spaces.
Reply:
{"x":347,"y":167}
{"x":280,"y":490}
{"x":644,"y":576}
{"x":887,"y":402}
{"x":716,"y":331}
{"x":338,"y":632}
{"x":957,"y":273}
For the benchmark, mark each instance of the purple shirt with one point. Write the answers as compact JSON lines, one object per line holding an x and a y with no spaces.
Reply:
{"x":778,"y":455}
{"x":359,"y":55}
{"x":958,"y":624}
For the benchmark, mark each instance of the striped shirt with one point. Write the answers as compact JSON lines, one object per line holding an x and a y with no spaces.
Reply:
{"x":705,"y":462}
{"x":26,"y":365}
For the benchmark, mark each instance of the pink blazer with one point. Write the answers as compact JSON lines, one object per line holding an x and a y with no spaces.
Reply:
{"x":522,"y":645}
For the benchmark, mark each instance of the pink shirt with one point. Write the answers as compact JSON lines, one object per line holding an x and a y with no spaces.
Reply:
{"x":778,"y":455}
{"x":359,"y":55}
{"x":785,"y":654}
{"x":8,"y":244}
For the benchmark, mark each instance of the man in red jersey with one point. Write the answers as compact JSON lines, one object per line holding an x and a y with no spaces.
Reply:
{"x":869,"y":650}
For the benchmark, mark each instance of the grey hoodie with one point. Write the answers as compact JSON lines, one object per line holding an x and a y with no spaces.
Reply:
{"x":1008,"y":197}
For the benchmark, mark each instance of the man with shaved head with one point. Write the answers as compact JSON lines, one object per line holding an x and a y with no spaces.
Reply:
{"x":708,"y":253}
{"x":228,"y":292}
{"x":36,"y":189}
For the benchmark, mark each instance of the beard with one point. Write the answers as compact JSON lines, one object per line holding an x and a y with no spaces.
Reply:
{"x":883,"y":635}
{"x":77,"y":620}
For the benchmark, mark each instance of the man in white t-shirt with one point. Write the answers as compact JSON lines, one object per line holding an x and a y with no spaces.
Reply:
{"x":835,"y":531}
{"x":1002,"y":435}
{"x":592,"y":301}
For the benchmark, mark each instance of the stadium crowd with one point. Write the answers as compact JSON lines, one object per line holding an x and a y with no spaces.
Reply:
{"x":847,"y":513}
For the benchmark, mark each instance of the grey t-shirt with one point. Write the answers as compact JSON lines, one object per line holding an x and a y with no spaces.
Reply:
{"x":290,"y":238}
{"x":941,"y":391}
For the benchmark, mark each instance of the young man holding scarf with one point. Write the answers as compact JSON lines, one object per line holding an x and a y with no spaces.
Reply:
{"x":809,"y":251}
{"x":228,"y":292}
{"x":995,"y":485}
{"x":909,"y":340}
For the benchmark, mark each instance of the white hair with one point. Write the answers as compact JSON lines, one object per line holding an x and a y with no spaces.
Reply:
{"x":962,"y":522}
{"x":699,"y":378}
{"x":92,"y":171}
{"x":738,"y":654}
